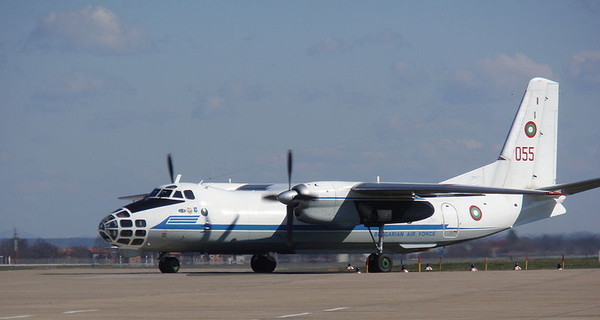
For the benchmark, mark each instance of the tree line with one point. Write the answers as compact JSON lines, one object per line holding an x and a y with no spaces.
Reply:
{"x":499,"y":246}
{"x":40,"y":249}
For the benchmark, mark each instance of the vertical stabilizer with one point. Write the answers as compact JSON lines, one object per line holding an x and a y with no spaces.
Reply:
{"x":528,"y":158}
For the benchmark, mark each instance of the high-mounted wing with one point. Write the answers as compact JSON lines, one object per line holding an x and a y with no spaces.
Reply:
{"x":134,"y":197}
{"x":574,"y":187}
{"x":430,"y":190}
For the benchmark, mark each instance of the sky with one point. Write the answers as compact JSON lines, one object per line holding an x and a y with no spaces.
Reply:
{"x":95,"y":94}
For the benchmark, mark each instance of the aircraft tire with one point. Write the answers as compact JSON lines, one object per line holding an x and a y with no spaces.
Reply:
{"x":261,"y":263}
{"x":384,"y":262}
{"x":168,"y":265}
{"x":379,"y":262}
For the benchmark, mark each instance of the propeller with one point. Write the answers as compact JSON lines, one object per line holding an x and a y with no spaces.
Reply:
{"x":170,"y":164}
{"x":289,"y":169}
{"x":291,"y":198}
{"x":289,"y":207}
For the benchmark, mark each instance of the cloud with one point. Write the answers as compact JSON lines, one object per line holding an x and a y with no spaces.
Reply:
{"x":329,"y":45}
{"x":92,"y":29}
{"x":387,"y":37}
{"x":335,"y":45}
{"x":355,"y":98}
{"x":229,"y":98}
{"x":489,"y":76}
{"x":312,"y":95}
{"x":406,"y":75}
{"x":585,"y":68}
{"x":504,"y":70}
{"x":77,"y":87}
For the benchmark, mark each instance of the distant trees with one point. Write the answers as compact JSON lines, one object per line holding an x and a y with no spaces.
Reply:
{"x":40,"y":249}
{"x":28,"y":249}
{"x":512,"y":245}
{"x":508,"y":244}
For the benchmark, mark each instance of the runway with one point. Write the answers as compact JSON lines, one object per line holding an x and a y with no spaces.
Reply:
{"x":209,"y":293}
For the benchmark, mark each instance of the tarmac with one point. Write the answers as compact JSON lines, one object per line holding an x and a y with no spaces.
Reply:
{"x":234,"y":293}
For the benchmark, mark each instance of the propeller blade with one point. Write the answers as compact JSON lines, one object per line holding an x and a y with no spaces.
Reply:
{"x":170,"y":164}
{"x":289,"y":169}
{"x":290,"y":223}
{"x":270,"y":197}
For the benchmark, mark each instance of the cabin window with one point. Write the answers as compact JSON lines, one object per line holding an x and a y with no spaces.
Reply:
{"x":178,"y":194}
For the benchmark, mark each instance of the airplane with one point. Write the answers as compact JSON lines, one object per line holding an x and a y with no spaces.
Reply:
{"x":355,"y":217}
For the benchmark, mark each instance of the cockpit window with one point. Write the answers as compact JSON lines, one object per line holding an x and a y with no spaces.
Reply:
{"x":189,"y":194}
{"x":154,"y":193}
{"x":165,"y":193}
{"x":169,"y":193}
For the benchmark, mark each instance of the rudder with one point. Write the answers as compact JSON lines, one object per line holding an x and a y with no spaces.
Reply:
{"x":528,"y":157}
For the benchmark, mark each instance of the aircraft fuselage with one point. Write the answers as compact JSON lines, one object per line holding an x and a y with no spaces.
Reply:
{"x":245,"y":222}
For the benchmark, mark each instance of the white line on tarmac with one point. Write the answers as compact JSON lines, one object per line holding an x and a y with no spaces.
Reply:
{"x":335,"y":309}
{"x":294,"y":315}
{"x":17,"y":317}
{"x":81,"y":311}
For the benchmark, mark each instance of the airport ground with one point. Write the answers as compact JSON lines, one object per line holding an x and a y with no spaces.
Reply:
{"x":237,"y":293}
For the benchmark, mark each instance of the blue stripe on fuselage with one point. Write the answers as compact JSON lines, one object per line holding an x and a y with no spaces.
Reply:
{"x":180,"y":224}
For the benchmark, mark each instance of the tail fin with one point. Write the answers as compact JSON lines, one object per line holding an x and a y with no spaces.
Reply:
{"x":528,"y":158}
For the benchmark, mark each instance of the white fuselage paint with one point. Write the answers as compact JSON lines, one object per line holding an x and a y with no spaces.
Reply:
{"x":244,"y":222}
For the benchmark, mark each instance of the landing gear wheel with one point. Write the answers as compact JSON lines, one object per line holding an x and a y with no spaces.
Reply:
{"x":379,"y":262}
{"x":263,"y":263}
{"x":168,"y":265}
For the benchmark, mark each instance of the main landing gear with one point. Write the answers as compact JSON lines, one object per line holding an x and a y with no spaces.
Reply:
{"x":263,"y":263}
{"x":167,"y":264}
{"x":379,"y":262}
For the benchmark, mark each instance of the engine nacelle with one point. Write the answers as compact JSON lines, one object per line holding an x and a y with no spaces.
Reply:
{"x":326,"y":204}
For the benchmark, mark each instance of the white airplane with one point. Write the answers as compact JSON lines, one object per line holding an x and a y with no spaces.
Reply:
{"x":344,"y":217}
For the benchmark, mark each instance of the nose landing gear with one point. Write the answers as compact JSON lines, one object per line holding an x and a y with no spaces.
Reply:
{"x":167,"y":264}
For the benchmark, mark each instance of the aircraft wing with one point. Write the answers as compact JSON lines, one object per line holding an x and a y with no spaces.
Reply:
{"x":134,"y":197}
{"x":429,"y":190}
{"x":574,"y":187}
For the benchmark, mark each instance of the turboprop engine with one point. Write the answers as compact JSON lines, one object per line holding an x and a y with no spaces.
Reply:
{"x":322,"y":203}
{"x":335,"y":204}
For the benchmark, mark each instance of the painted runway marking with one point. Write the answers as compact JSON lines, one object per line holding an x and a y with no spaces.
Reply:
{"x":294,"y":315}
{"x":17,"y":317}
{"x":81,"y":311}
{"x":335,"y":309}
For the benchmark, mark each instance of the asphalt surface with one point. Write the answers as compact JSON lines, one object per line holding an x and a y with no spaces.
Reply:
{"x":210,"y":293}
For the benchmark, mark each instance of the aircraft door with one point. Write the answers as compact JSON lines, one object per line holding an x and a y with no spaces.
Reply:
{"x":451,"y":222}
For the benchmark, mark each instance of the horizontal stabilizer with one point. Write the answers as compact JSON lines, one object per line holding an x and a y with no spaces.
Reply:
{"x":424,"y":190}
{"x":574,"y":187}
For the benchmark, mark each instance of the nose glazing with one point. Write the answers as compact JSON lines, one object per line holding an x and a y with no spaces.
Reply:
{"x":120,"y":230}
